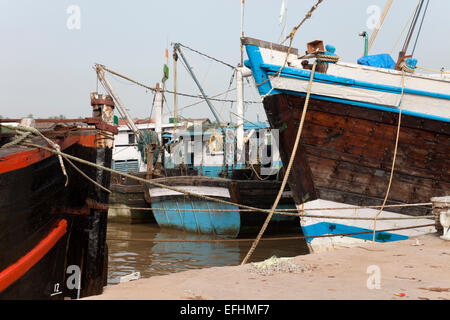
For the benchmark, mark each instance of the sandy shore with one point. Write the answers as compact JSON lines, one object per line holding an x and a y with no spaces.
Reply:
{"x":417,"y":268}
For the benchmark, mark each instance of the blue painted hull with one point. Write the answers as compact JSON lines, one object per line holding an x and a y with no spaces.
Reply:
{"x":177,"y":213}
{"x":197,"y":215}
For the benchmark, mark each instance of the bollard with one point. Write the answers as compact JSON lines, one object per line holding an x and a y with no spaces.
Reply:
{"x":441,"y":210}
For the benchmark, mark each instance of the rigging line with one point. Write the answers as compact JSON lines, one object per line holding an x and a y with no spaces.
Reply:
{"x":307,"y":16}
{"x":167,"y":103}
{"x":192,"y":96}
{"x":404,"y":28}
{"x":420,"y":28}
{"x":269,"y":238}
{"x":289,"y":166}
{"x":397,"y":138}
{"x":129,"y":79}
{"x":153,"y":105}
{"x":245,"y":119}
{"x":412,"y":27}
{"x":212,"y":98}
{"x":380,"y":23}
{"x":226,"y":96}
{"x":207,"y":56}
{"x":168,"y":91}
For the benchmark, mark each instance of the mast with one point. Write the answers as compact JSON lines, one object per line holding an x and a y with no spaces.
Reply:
{"x":175,"y":102}
{"x":402,"y":54}
{"x":240,"y":116}
{"x":242,"y":32}
{"x":240,"y":98}
{"x":158,"y":111}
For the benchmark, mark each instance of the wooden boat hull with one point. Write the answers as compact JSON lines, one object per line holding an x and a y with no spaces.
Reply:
{"x":345,"y":158}
{"x":346,"y":153}
{"x":348,"y":139}
{"x":34,"y":202}
{"x":193,"y":214}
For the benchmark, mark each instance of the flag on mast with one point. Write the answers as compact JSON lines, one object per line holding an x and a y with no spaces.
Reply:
{"x":166,"y":68}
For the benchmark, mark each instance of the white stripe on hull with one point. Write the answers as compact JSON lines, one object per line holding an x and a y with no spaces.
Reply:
{"x":438,"y":84}
{"x":325,"y":244}
{"x":202,"y":190}
{"x":414,"y":103}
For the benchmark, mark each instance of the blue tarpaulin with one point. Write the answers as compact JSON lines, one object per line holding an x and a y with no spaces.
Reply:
{"x":379,"y":61}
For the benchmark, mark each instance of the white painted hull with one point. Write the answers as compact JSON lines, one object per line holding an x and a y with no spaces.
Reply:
{"x":331,"y":243}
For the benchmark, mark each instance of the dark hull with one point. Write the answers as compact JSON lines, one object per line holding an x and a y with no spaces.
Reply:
{"x":123,"y":199}
{"x":262,"y":194}
{"x":33,"y":199}
{"x":346,"y":153}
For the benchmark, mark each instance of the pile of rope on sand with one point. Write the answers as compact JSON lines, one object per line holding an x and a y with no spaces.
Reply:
{"x":279,"y":265}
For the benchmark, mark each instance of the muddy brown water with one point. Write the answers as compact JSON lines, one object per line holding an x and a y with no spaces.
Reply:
{"x":159,"y":258}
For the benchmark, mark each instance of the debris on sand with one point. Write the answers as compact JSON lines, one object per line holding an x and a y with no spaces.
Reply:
{"x":279,"y":265}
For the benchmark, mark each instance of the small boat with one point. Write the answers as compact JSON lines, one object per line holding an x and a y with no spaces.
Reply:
{"x":347,"y":145}
{"x":53,"y":219}
{"x":196,"y":214}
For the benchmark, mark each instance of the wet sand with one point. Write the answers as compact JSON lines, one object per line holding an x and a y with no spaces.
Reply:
{"x":417,"y":268}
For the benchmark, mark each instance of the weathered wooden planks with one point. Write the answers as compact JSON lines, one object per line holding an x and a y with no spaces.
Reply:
{"x":346,"y":152}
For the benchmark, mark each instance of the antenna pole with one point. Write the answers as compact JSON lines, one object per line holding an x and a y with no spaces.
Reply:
{"x":242,"y":32}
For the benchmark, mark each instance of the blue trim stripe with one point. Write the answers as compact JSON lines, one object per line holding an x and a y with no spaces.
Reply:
{"x":302,"y":74}
{"x":224,"y":223}
{"x":366,"y":105}
{"x":261,"y":72}
{"x":323,"y":228}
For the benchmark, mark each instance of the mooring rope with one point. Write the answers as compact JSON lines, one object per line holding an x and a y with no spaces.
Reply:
{"x":244,"y":208}
{"x":283,"y":212}
{"x":442,"y":71}
{"x":395,"y":154}
{"x":272,"y":238}
{"x":30,"y":131}
{"x":149,"y":181}
{"x":288,"y":169}
{"x":307,"y":16}
{"x":25,"y":132}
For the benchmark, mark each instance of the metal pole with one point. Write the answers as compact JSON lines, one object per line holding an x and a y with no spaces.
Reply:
{"x":176,"y":47}
{"x":120,"y":106}
{"x":158,"y":111}
{"x":240,"y":116}
{"x":242,"y":32}
{"x":175,"y":102}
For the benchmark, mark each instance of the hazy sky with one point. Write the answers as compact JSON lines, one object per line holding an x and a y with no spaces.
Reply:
{"x":46,"y":68}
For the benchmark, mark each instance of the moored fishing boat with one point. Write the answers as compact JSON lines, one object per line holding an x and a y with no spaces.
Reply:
{"x":52,"y":218}
{"x":347,"y":146}
{"x":203,"y":216}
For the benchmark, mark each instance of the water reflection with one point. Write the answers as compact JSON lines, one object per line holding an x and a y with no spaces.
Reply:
{"x":158,"y":258}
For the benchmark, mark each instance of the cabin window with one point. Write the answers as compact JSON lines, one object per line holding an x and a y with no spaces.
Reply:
{"x":131,"y":138}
